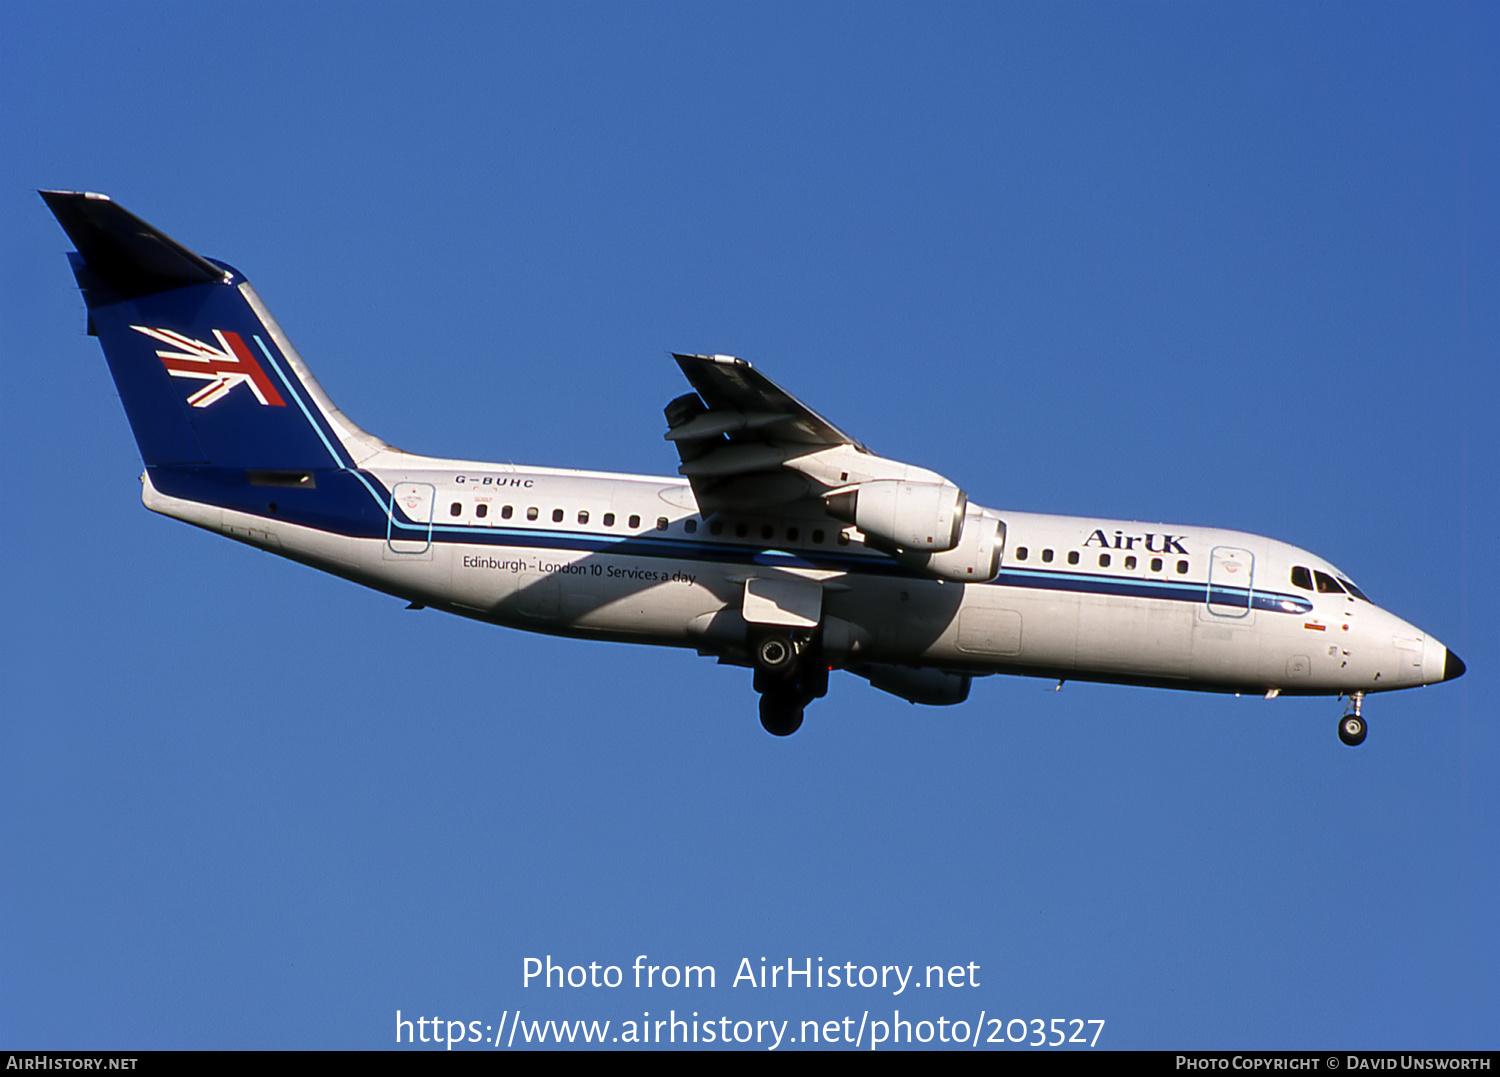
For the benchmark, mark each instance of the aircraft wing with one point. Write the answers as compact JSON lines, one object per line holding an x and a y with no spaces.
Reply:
{"x":744,"y":404}
{"x":746,"y":444}
{"x":737,"y":432}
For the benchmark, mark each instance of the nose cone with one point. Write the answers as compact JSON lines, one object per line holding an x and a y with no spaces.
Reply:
{"x":1438,"y":663}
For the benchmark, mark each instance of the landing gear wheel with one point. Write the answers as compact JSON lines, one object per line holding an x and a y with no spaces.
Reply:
{"x":1352,"y":730}
{"x":781,"y":717}
{"x":775,"y":655}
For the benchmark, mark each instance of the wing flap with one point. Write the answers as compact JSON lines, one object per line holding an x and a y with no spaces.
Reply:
{"x":729,"y":421}
{"x":736,"y":458}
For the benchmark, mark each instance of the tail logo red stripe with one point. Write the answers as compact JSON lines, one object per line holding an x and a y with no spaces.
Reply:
{"x":223,"y":367}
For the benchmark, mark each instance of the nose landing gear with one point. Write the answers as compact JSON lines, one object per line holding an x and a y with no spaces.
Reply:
{"x":1352,"y":728}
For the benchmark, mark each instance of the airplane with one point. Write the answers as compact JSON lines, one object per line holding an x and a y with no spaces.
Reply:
{"x":783,"y":544}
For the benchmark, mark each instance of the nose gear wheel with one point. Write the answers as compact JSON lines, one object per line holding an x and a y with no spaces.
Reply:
{"x":1352,"y":727}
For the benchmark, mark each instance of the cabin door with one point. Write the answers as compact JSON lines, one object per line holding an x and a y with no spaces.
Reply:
{"x":408,"y":525}
{"x":1230,"y":582}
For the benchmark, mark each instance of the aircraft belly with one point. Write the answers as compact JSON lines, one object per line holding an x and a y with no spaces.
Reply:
{"x":661,"y":612}
{"x":1134,"y":635}
{"x":587,"y":593}
{"x":1004,"y":626}
{"x":325,"y":550}
{"x":1227,"y":654}
{"x":977,"y":627}
{"x":427,"y":577}
{"x":309,"y":545}
{"x":903,"y":620}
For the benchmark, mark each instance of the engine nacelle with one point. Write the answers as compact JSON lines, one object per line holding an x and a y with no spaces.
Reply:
{"x":924,"y":517}
{"x":934,"y":687}
{"x":976,"y":559}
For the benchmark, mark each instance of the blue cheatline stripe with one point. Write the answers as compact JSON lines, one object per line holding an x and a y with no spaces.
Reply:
{"x":1078,"y":583}
{"x":307,"y":414}
{"x":293,"y":388}
{"x":1186,"y":591}
{"x":646,"y":546}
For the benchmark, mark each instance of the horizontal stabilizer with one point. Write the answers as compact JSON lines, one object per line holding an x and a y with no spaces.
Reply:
{"x":130,"y":256}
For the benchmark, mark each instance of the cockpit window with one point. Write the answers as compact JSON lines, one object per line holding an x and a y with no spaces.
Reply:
{"x":1302,"y":578}
{"x":1355,"y":591}
{"x":1327,"y":585}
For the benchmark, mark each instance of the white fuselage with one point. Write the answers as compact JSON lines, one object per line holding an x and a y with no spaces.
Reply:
{"x":626,"y":557}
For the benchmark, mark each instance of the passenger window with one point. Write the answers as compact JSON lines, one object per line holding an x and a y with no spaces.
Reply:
{"x":1302,"y":578}
{"x":557,"y":515}
{"x":741,"y":530}
{"x":661,"y":523}
{"x":1130,"y":563}
{"x":583,"y":516}
{"x":481,"y":510}
{"x":766,"y":531}
{"x":1327,"y":585}
{"x":690,"y":526}
{"x":609,"y":519}
{"x":1072,"y":557}
{"x":716,"y":528}
{"x":791,"y":534}
{"x":1047,"y":556}
{"x":817,"y":536}
{"x":1104,"y":560}
{"x":635,"y":521}
{"x":455,"y":509}
{"x":531,"y":513}
{"x":843,"y":538}
{"x":1020,"y":553}
{"x":505,"y":512}
{"x":1182,"y":568}
{"x":1156,"y":564}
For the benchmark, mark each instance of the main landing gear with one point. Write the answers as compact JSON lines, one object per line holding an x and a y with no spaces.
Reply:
{"x":1352,"y":728}
{"x":789,"y":674}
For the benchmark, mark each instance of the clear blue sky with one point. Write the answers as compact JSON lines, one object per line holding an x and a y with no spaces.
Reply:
{"x":1218,"y":264}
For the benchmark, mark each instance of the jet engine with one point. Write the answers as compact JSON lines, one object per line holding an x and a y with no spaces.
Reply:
{"x":925,"y":517}
{"x":934,"y":687}
{"x":976,"y":558}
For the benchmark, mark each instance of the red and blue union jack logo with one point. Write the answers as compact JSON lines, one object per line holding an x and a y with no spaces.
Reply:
{"x":222,"y":367}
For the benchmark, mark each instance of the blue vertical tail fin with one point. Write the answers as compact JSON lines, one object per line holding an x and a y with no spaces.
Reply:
{"x":206,"y":377}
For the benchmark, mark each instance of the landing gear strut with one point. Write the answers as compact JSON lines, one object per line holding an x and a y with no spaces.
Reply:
{"x":1352,"y":728}
{"x":789,"y":674}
